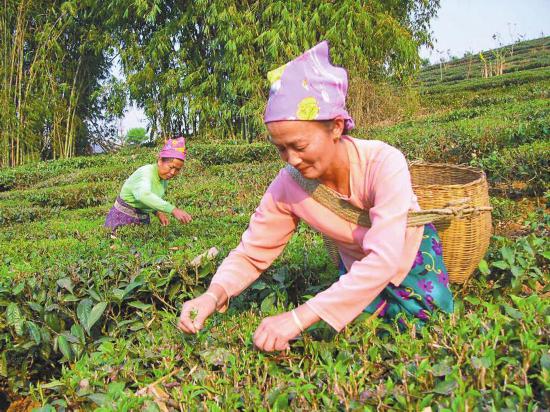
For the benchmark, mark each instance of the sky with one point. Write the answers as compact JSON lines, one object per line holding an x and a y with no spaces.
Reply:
{"x":469,"y":25}
{"x":460,"y":26}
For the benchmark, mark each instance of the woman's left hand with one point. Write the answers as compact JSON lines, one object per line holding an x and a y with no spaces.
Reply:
{"x":275,"y":332}
{"x":164,"y":221}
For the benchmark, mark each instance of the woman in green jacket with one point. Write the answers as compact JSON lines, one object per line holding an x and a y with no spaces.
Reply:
{"x":143,"y":191}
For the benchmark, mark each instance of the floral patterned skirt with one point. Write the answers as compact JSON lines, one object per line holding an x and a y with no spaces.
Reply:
{"x":425,"y":289}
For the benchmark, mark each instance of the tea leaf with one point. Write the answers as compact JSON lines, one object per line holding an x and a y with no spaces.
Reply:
{"x":13,"y":314}
{"x":517,"y":271}
{"x":140,"y":305}
{"x":131,"y":286}
{"x":98,"y":398}
{"x":268,"y":303}
{"x":118,"y":294}
{"x":34,"y":331}
{"x":446,"y":387}
{"x":78,"y":332}
{"x":4,"y":364}
{"x":259,"y":285}
{"x":501,"y":264}
{"x":94,"y":295}
{"x":513,"y":313}
{"x":507,"y":254}
{"x":15,"y":318}
{"x":64,"y":346}
{"x":83,"y":312}
{"x":473,"y":300}
{"x":95,"y":314}
{"x":484,"y":267}
{"x":18,"y":288}
{"x":66,"y":283}
{"x":52,"y":384}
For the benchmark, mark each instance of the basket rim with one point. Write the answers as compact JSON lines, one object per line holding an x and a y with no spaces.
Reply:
{"x":480,"y":173}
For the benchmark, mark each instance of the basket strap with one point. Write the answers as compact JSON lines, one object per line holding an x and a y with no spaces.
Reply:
{"x":458,"y":208}
{"x":332,"y":249}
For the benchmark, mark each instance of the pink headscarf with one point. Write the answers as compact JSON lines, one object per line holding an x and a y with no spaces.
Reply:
{"x":174,"y":148}
{"x":308,"y":88}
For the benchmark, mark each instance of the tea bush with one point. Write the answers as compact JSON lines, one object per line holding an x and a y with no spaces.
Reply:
{"x":20,"y":212}
{"x":529,"y":163}
{"x":505,"y":80}
{"x":210,"y":154}
{"x":69,"y":196}
{"x":466,"y":134}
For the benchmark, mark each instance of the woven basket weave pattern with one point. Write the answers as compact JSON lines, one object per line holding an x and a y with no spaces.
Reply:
{"x":465,"y":239}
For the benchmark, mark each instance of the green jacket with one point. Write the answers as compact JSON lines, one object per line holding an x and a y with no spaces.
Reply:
{"x":144,"y":190}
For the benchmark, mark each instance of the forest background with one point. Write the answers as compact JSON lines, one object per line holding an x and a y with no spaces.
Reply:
{"x":194,"y":68}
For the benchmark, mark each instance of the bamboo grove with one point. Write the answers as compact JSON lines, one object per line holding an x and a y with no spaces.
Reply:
{"x":196,"y":68}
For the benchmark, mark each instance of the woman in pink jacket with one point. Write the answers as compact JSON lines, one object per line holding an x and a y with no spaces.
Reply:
{"x":389,"y":267}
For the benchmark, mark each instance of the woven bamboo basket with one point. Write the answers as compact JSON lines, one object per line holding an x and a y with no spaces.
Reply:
{"x":465,"y":237}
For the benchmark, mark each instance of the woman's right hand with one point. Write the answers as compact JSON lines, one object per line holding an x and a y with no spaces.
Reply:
{"x":182,"y":216}
{"x":194,"y":313}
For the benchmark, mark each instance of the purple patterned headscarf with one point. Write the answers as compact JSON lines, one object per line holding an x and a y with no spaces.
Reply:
{"x":308,"y":88}
{"x":174,"y":148}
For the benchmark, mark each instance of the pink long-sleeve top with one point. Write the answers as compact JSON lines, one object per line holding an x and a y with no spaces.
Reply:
{"x":380,"y":182}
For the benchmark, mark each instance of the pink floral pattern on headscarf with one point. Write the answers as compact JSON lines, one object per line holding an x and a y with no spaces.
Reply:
{"x":174,"y":148}
{"x":308,"y":88}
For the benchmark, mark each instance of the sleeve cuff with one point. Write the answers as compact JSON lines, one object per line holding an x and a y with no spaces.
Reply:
{"x":328,"y":319}
{"x":223,"y":308}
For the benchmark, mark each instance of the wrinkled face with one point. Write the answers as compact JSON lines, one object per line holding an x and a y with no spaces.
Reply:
{"x":169,"y":168}
{"x":309,"y":146}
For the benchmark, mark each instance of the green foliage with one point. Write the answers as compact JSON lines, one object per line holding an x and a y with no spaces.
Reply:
{"x":55,"y":60}
{"x":20,"y":212}
{"x":529,"y":163}
{"x":506,"y":80}
{"x":224,"y":154}
{"x":521,"y":263}
{"x":465,"y":135}
{"x":202,"y":68}
{"x":87,"y":319}
{"x":136,"y":136}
